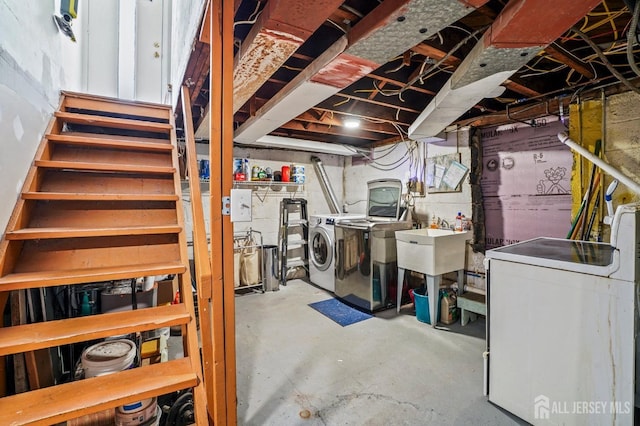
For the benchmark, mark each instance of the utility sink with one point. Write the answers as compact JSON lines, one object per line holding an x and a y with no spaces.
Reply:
{"x":431,"y":251}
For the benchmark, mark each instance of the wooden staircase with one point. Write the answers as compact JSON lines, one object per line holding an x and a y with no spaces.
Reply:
{"x":101,"y":202}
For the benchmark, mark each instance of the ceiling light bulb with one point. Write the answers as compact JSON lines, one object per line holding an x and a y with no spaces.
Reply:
{"x":351,"y":123}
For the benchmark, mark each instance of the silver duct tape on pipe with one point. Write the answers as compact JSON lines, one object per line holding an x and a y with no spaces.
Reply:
{"x":624,"y":179}
{"x":334,"y":206}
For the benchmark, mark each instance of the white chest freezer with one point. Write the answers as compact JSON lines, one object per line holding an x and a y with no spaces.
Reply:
{"x":561,"y":327}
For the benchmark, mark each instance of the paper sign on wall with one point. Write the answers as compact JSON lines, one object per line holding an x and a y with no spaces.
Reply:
{"x":444,"y":173}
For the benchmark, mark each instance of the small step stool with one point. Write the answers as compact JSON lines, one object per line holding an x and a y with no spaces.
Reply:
{"x":471,"y":304}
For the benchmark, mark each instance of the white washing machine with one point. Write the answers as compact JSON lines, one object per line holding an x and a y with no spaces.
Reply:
{"x":322,"y":250}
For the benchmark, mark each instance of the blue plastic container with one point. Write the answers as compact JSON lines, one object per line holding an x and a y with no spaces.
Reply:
{"x":204,"y":169}
{"x":421,"y":303}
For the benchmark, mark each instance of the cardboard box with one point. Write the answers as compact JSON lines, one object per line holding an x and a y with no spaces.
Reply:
{"x":124,"y":302}
{"x":167,"y":290}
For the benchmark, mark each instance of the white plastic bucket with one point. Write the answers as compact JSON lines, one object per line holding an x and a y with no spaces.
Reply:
{"x":108,"y":357}
{"x":156,"y":422}
{"x":143,"y":413}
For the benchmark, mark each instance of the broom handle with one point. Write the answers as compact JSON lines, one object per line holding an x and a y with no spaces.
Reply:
{"x":578,"y":220}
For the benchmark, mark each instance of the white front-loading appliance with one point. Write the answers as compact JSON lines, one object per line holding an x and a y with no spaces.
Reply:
{"x":322,"y":248}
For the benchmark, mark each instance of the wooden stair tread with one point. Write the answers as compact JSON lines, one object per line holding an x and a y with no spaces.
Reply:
{"x":89,"y":96}
{"x":23,"y":280}
{"x":111,"y":167}
{"x":97,"y":196}
{"x":68,"y":232}
{"x":117,"y":106}
{"x":118,"y":123}
{"x":159,"y":139}
{"x":30,"y":337}
{"x":89,"y":185}
{"x":70,"y":400}
{"x":89,"y":141}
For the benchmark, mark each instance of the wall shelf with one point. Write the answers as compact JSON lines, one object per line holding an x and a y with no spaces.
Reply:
{"x":252,"y":184}
{"x":266,"y":183}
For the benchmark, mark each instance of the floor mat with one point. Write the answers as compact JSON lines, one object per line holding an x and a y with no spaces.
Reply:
{"x":339,"y":312}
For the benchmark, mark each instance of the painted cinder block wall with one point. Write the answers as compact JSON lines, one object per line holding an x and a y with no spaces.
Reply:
{"x":616,"y":122}
{"x":443,"y":205}
{"x":265,"y":198}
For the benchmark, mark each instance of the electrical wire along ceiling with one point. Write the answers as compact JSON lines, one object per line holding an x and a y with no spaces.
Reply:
{"x":362,"y":73}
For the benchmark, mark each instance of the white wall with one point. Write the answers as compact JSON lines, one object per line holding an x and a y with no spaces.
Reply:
{"x":443,"y":205}
{"x":446,"y":205}
{"x":266,"y":201}
{"x":185,"y":16}
{"x":439,"y":205}
{"x":36,"y":62}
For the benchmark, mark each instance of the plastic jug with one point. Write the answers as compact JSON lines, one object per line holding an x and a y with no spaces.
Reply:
{"x":458,"y":223}
{"x":448,"y":308}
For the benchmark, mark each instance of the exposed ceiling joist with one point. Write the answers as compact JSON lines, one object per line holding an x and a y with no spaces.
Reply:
{"x":323,"y":82}
{"x":562,"y":55}
{"x":390,"y":29}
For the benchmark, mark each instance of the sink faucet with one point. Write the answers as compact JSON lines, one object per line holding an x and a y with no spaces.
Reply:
{"x":443,"y":224}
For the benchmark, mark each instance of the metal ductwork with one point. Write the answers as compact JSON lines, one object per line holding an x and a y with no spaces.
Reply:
{"x":283,"y":26}
{"x":521,"y":30}
{"x":389,"y":30}
{"x":329,"y":193}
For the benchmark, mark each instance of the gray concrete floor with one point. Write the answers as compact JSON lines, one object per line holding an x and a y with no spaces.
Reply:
{"x":293,"y":362}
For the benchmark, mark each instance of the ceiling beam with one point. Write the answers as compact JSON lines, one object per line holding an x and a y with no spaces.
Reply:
{"x":519,"y":113}
{"x":388,"y":30}
{"x":331,"y":120}
{"x":329,"y":130}
{"x":344,"y":139}
{"x":520,"y":89}
{"x":383,"y":79}
{"x":436,"y":54}
{"x":388,"y":117}
{"x":374,"y":102}
{"x":559,"y":53}
{"x":525,"y":23}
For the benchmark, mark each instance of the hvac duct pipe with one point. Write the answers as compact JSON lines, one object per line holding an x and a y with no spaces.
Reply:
{"x":334,"y":206}
{"x":617,"y":174}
